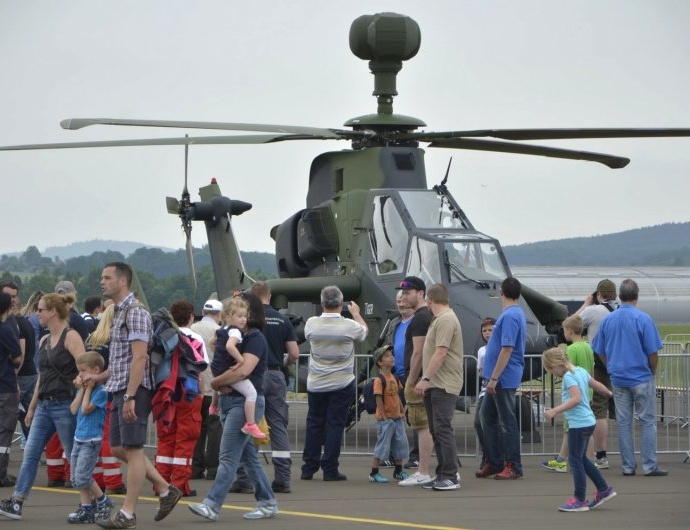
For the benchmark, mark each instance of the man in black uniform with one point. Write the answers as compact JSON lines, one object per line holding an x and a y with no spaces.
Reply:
{"x":280,"y":336}
{"x":27,"y":375}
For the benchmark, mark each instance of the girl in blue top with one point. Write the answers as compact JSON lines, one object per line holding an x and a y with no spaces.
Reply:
{"x":575,"y":405}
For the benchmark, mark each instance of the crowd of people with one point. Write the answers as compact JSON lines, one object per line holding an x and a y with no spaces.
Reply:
{"x":82,"y":388}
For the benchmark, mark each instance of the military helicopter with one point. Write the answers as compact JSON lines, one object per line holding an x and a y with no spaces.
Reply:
{"x":370,"y":216}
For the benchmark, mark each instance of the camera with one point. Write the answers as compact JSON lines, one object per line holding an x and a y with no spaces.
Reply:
{"x":346,"y":307}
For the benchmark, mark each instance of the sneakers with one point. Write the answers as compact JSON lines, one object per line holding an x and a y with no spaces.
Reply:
{"x":204,"y":511}
{"x":253,"y":430}
{"x":656,"y":472}
{"x":487,"y":471}
{"x":446,"y":484}
{"x":118,"y":520}
{"x":401,"y":475}
{"x":167,"y":503}
{"x":11,"y":508}
{"x":574,"y":505}
{"x":262,"y":512}
{"x":559,"y":466}
{"x":416,"y":479}
{"x":508,"y":473}
{"x":104,"y":510}
{"x":412,"y":464}
{"x":602,"y":463}
{"x":600,"y":497}
{"x":83,"y":515}
{"x":378,"y":478}
{"x":386,"y":463}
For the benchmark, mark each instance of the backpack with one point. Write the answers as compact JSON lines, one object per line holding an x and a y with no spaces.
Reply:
{"x":168,"y":339}
{"x":368,"y":399}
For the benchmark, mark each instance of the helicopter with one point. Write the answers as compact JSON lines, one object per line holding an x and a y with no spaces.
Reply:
{"x":370,"y":217}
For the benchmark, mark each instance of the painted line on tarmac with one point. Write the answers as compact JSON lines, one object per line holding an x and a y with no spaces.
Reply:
{"x":311,"y":515}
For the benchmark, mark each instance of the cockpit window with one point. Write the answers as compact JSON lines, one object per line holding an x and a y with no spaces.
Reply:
{"x":430,"y":210}
{"x":472,"y":257}
{"x":424,"y":261}
{"x":388,"y":237}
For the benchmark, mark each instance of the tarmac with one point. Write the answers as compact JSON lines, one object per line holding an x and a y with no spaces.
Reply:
{"x":480,"y":504}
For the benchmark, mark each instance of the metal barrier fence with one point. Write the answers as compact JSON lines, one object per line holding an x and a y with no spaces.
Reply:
{"x":538,"y":437}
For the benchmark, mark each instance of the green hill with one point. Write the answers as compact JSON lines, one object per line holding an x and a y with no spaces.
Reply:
{"x":661,"y":245}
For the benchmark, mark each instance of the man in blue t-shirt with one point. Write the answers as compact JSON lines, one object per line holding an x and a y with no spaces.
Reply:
{"x":504,"y":363}
{"x":628,"y":344}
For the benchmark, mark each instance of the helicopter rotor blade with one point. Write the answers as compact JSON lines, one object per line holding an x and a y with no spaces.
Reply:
{"x":190,"y":260}
{"x":172,"y":205}
{"x":614,"y":162}
{"x":553,"y":134}
{"x":79,"y":123}
{"x":199,"y":140}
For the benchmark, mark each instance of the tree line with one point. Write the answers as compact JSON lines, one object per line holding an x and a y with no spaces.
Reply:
{"x":164,"y":276}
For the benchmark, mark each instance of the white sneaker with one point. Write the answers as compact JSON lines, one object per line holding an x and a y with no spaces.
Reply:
{"x":262,"y":512}
{"x":416,"y":479}
{"x":204,"y":511}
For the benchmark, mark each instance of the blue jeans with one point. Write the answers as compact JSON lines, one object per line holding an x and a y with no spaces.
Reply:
{"x":50,"y":417}
{"x":581,"y":466}
{"x":501,"y":431}
{"x":642,"y":399}
{"x":83,"y":461}
{"x":26,"y":385}
{"x":326,"y":419}
{"x":235,"y":448}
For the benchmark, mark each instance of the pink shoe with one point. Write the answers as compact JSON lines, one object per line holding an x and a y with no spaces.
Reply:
{"x":253,"y":430}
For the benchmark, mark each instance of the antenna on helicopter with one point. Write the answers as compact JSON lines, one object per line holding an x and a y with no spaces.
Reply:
{"x":445,"y":179}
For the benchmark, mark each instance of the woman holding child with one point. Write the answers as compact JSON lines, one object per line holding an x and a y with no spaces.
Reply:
{"x":237,"y":447}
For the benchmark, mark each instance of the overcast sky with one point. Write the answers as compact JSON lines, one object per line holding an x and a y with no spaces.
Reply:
{"x":488,"y":64}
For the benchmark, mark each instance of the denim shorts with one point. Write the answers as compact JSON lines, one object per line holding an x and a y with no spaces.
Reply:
{"x":130,"y":434}
{"x":83,"y":461}
{"x":391,"y":439}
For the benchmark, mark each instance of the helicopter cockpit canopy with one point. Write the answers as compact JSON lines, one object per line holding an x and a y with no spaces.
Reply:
{"x":423,"y":233}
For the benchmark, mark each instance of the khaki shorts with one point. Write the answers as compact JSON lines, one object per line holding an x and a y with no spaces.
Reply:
{"x":602,"y":406}
{"x":414,"y":409}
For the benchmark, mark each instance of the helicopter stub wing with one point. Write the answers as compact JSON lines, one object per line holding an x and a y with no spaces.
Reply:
{"x":614,"y":162}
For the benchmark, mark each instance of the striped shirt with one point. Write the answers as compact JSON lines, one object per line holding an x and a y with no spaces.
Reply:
{"x":332,"y":359}
{"x":122,"y":334}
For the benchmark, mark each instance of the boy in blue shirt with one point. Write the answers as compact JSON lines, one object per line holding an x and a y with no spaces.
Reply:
{"x":575,"y":405}
{"x":89,"y":405}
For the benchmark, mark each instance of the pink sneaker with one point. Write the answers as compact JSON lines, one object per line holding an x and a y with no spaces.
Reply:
{"x":253,"y":430}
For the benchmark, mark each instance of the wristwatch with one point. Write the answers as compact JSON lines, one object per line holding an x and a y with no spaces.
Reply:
{"x":127,"y":398}
{"x":425,"y":378}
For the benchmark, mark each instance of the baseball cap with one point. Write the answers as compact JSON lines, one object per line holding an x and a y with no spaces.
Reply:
{"x":606,"y":287}
{"x":65,"y":287}
{"x":213,"y":305}
{"x":412,"y":282}
{"x":378,"y":352}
